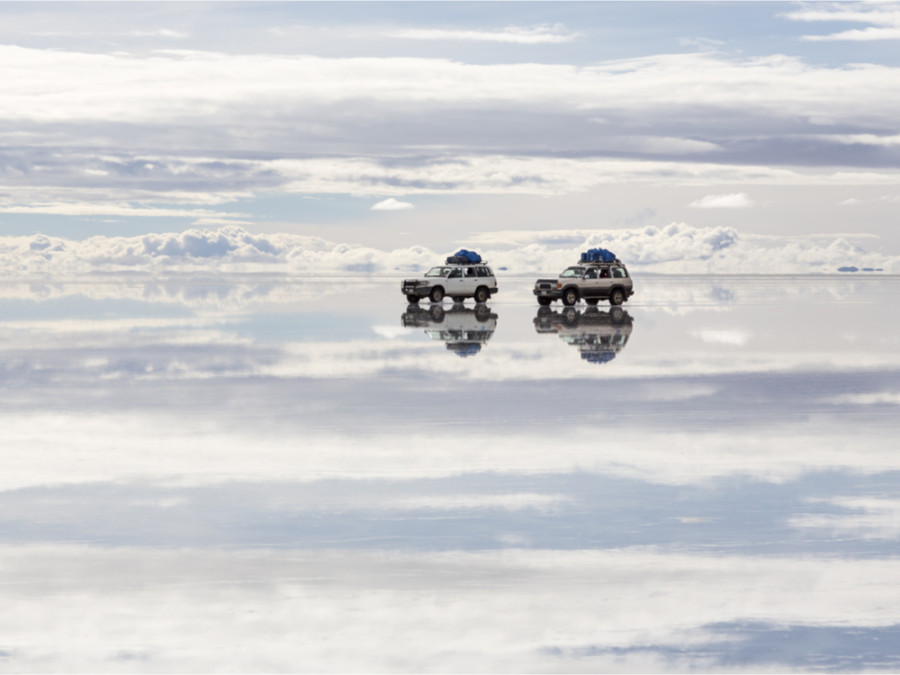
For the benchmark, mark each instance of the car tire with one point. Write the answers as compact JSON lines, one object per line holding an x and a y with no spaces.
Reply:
{"x":481,"y":294}
{"x":482,"y":313}
{"x":412,"y":299}
{"x":544,"y":302}
{"x":437,"y":313}
{"x":570,"y":297}
{"x":592,"y":301}
{"x":458,"y":299}
{"x":617,"y":297}
{"x":437,"y":294}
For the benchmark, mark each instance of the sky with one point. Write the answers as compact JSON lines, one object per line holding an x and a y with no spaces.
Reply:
{"x":401,"y":125}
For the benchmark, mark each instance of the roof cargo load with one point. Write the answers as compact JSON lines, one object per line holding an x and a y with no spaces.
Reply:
{"x":462,"y":257}
{"x":598,"y":255}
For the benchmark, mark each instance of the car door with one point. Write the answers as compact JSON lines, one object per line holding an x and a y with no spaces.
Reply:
{"x":604,"y":281}
{"x":456,"y":282}
{"x":590,"y":283}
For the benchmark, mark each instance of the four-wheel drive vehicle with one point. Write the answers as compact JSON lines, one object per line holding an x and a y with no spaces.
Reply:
{"x":458,"y":280}
{"x":588,"y":281}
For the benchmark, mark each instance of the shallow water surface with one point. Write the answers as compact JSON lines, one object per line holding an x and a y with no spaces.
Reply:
{"x":306,"y":474}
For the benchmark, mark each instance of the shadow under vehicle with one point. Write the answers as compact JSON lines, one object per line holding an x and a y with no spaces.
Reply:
{"x":598,"y":335}
{"x":463,"y":330}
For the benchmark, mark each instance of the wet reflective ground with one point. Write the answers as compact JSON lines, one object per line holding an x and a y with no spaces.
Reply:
{"x":306,"y":474}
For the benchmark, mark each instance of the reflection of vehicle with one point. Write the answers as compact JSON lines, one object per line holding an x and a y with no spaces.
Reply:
{"x":463,"y":330}
{"x":598,"y":335}
{"x":458,"y":280}
{"x":588,"y":281}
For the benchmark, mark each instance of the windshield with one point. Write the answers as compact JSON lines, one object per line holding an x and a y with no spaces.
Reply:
{"x":573,"y":272}
{"x":437,"y":272}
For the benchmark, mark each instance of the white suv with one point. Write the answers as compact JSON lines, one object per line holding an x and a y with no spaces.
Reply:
{"x":458,"y":280}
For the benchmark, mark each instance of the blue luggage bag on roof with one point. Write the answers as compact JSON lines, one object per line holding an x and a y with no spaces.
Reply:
{"x":464,"y":256}
{"x":598,"y":255}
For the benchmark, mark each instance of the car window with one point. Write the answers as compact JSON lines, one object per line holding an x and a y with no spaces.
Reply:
{"x":471,"y":272}
{"x":590,"y":274}
{"x":437,"y":272}
{"x":455,"y":273}
{"x":619,"y":272}
{"x":572,"y":272}
{"x":484,"y":272}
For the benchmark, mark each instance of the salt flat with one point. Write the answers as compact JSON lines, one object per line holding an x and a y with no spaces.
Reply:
{"x":275,"y":473}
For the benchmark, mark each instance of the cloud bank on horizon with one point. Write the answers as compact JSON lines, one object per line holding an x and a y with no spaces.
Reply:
{"x":296,"y":118}
{"x":676,"y":248}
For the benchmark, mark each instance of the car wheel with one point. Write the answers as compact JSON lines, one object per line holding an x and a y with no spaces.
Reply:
{"x":437,"y":294}
{"x":570,"y":297}
{"x":617,"y":297}
{"x":617,"y":315}
{"x":482,"y":313}
{"x":592,"y":301}
{"x":481,"y":294}
{"x":544,"y":302}
{"x":437,"y":313}
{"x":457,"y":299}
{"x":412,"y":299}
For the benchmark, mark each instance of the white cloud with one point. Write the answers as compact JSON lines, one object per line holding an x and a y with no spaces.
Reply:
{"x":514,"y":34}
{"x":735,"y":200}
{"x":864,"y":139}
{"x":884,"y":20}
{"x":675,"y":248}
{"x":877,"y":398}
{"x":701,"y":43}
{"x":193,"y":87}
{"x":863,"y":35}
{"x":505,"y":502}
{"x":392,"y":204}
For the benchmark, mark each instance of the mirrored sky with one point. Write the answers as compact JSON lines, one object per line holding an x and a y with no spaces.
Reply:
{"x":304,"y":473}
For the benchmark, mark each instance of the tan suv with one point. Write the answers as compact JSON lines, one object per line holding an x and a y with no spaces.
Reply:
{"x":591,"y":282}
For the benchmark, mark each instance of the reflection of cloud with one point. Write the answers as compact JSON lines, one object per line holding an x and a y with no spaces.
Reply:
{"x":871,"y":518}
{"x":562,"y":611}
{"x":738,"y":338}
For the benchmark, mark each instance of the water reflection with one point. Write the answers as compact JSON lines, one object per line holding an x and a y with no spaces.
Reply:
{"x":598,"y":335}
{"x":256,"y":475}
{"x":462,"y":329}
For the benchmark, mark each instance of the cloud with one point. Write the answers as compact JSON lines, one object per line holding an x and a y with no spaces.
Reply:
{"x":736,"y":200}
{"x":392,"y":204}
{"x":514,"y":34}
{"x":706,"y":44}
{"x":675,"y":248}
{"x":883,"y":17}
{"x":864,"y":139}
